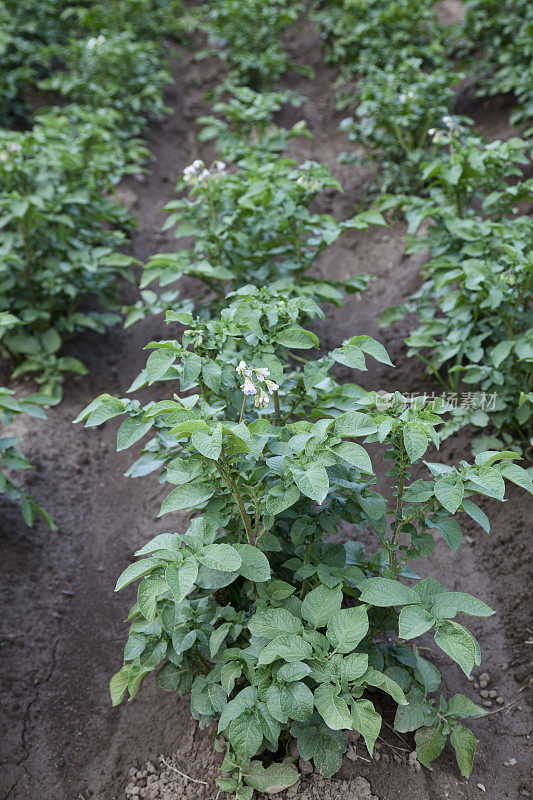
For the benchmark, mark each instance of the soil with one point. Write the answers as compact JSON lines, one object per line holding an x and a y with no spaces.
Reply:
{"x":62,"y":626}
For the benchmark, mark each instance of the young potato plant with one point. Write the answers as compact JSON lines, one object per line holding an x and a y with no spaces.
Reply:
{"x":244,"y":126}
{"x":398,"y":110}
{"x":58,"y":241}
{"x":116,"y":71}
{"x":361,"y":35}
{"x":275,"y":627}
{"x":10,"y":456}
{"x":27,"y":29}
{"x":475,"y":305}
{"x":247,"y":38}
{"x":250,"y":224}
{"x":498,"y":38}
{"x":146,"y":19}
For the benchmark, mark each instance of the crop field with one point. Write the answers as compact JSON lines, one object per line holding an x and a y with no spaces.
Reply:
{"x":266,"y":399}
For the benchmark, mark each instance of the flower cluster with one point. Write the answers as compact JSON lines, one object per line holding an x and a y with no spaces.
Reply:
{"x":94,"y":42}
{"x":249,"y":386}
{"x":403,"y":98}
{"x":453,"y":127}
{"x":197,"y":172}
{"x":11,"y":147}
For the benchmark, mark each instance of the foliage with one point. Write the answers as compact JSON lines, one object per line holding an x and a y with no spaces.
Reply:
{"x":27,"y":29}
{"x":251,"y":225}
{"x":59,"y":238}
{"x":361,"y":35}
{"x":475,"y":305}
{"x":247,"y":37}
{"x":146,"y":19}
{"x":244,"y":124}
{"x":10,"y":456}
{"x":274,"y":628}
{"x":499,"y":38}
{"x":399,"y":109}
{"x":116,"y":71}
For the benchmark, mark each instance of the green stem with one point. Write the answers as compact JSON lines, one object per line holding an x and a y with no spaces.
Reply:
{"x":234,"y":489}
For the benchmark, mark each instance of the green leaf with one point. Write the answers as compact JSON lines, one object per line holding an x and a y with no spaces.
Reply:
{"x":275,"y":778}
{"x":209,"y":445}
{"x":254,"y":564}
{"x":430,"y":743}
{"x":450,"y":495}
{"x":136,"y":570}
{"x":245,"y":736}
{"x":324,"y":746}
{"x":375,"y":678}
{"x":320,"y":604}
{"x":458,"y":643}
{"x":414,"y":621}
{"x":354,"y":454}
{"x":449,"y":530}
{"x":386,"y":592}
{"x":332,"y":708}
{"x":118,"y":685}
{"x":244,"y":700}
{"x":415,"y":440}
{"x":476,"y":514}
{"x":150,"y":589}
{"x":274,"y":622}
{"x":464,"y":743}
{"x":448,"y":604}
{"x":288,"y":647}
{"x":158,"y":363}
{"x":353,"y":666}
{"x":297,"y":338}
{"x":367,"y":721}
{"x":220,"y":557}
{"x":346,"y":628}
{"x":181,"y":578}
{"x":313,"y":482}
{"x":354,"y":423}
{"x":297,"y":701}
{"x":187,"y":496}
{"x":461,"y":706}
{"x":130,"y":431}
{"x":169,"y":677}
{"x":518,"y":475}
{"x":412,"y":716}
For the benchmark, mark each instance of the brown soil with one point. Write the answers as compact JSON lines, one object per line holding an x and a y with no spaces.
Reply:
{"x":62,"y":628}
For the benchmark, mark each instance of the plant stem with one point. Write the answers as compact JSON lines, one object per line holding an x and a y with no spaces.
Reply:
{"x":234,"y":489}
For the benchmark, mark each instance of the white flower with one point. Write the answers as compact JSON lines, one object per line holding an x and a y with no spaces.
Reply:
{"x":271,"y":386}
{"x":448,"y":121}
{"x":3,"y":155}
{"x":198,"y":165}
{"x":261,"y":400}
{"x":248,"y":387}
{"x":220,"y":166}
{"x":204,"y":176}
{"x":14,"y":147}
{"x":92,"y":42}
{"x":262,"y":373}
{"x":403,"y":98}
{"x":432,"y":131}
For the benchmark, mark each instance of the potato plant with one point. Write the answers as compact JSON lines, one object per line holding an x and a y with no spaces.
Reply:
{"x":11,"y":458}
{"x":498,"y":38}
{"x":475,"y":311}
{"x":114,"y":70}
{"x":274,"y":624}
{"x":250,"y":224}
{"x":360,"y":35}
{"x":397,"y":113}
{"x":247,"y":37}
{"x":59,"y":242}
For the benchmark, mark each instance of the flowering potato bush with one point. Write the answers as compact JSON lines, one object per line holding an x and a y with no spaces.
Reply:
{"x":117,"y":71}
{"x":273,"y":627}
{"x":253,"y":224}
{"x":475,"y":305}
{"x":10,"y":456}
{"x":399,"y":109}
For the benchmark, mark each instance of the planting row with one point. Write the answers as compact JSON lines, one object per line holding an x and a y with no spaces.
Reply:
{"x":275,"y":623}
{"x":61,"y":228}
